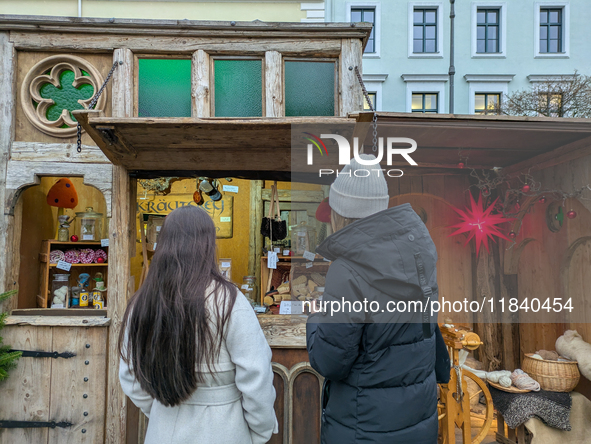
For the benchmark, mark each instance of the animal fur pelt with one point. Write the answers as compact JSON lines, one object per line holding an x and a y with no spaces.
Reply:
{"x":571,"y":346}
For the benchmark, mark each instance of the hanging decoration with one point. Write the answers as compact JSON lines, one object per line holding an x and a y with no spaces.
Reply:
{"x":159,"y":185}
{"x":479,"y":223}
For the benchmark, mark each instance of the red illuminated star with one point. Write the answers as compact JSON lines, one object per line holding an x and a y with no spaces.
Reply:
{"x":479,"y":223}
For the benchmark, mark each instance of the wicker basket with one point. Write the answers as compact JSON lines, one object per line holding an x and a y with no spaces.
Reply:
{"x":554,"y":376}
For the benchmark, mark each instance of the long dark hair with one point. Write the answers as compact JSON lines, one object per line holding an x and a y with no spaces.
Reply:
{"x":167,"y":327}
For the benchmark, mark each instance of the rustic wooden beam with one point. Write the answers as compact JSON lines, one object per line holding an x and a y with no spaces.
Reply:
{"x":59,"y":321}
{"x":121,"y":234}
{"x":295,"y":195}
{"x":350,"y":95}
{"x":9,"y":231}
{"x":56,"y":152}
{"x":274,"y":84}
{"x":200,"y":84}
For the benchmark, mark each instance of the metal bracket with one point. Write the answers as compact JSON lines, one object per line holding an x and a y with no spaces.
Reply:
{"x":42,"y":354}
{"x":33,"y":424}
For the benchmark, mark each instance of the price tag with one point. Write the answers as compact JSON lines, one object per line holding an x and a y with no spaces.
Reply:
{"x":260,"y":309}
{"x":285,"y":252}
{"x":226,"y":219}
{"x":244,"y":287}
{"x":309,"y":255}
{"x":226,"y":264}
{"x":158,"y":228}
{"x":155,"y":243}
{"x":88,"y":237}
{"x":57,"y":305}
{"x":104,"y":242}
{"x":277,"y":250}
{"x":309,"y":264}
{"x":272,"y":260}
{"x":230,"y":188}
{"x":63,"y":265}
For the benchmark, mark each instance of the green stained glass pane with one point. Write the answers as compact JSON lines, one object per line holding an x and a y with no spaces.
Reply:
{"x":164,"y":88}
{"x":238,"y":88}
{"x":309,"y":88}
{"x":65,"y":95}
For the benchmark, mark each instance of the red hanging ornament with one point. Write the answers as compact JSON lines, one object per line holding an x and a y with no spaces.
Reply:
{"x":479,"y":223}
{"x":461,"y":165}
{"x":512,"y":234}
{"x":74,"y":238}
{"x":525,"y":188}
{"x":571,"y":214}
{"x":542,"y":200}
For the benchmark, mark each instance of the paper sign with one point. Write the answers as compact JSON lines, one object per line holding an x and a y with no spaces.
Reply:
{"x":272,"y":260}
{"x":63,"y":265}
{"x":309,"y":255}
{"x":277,"y":250}
{"x":260,"y":309}
{"x":57,"y":305}
{"x":88,"y":237}
{"x":309,"y":264}
{"x":155,"y":243}
{"x":226,"y":219}
{"x":104,"y":242}
{"x":285,"y":252}
{"x":226,"y":264}
{"x":244,"y":287}
{"x":285,"y":308}
{"x":158,"y":228}
{"x":291,"y":307}
{"x":230,"y":188}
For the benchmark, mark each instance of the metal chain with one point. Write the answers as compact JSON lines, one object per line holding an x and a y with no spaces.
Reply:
{"x":374,"y":120}
{"x":93,"y":104}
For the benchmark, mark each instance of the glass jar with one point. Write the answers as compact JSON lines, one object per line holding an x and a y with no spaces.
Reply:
{"x":63,"y":232}
{"x":249,"y":288}
{"x":303,"y":238}
{"x":60,"y":291}
{"x":90,"y":225}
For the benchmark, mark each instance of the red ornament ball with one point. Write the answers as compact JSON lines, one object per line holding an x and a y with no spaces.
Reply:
{"x":525,"y":188}
{"x":542,"y":200}
{"x":74,"y":238}
{"x":512,"y":235}
{"x":461,"y":165}
{"x":100,"y":260}
{"x":571,"y":214}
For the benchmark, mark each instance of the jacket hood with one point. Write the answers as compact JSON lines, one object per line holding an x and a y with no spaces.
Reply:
{"x":371,"y":246}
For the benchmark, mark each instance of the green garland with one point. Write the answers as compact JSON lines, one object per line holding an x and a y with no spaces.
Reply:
{"x":8,"y":359}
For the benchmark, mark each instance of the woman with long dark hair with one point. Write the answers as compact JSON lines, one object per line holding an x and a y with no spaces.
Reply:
{"x":193,"y":356}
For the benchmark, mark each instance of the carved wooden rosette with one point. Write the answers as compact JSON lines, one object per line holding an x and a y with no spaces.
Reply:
{"x":36,"y":77}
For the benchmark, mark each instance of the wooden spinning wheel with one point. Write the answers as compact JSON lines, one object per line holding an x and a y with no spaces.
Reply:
{"x":454,"y":405}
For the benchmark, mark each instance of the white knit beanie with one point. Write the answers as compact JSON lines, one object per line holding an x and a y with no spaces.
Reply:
{"x":359,"y":190}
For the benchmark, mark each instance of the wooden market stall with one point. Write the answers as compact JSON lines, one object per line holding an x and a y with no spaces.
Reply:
{"x":121,"y":146}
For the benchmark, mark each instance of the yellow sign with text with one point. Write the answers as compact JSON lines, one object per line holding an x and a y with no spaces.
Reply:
{"x":221,"y":211}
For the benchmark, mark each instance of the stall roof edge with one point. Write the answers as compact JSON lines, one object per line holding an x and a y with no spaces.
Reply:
{"x":185,"y":27}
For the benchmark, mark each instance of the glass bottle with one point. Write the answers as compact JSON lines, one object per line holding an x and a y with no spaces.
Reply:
{"x":60,"y":291}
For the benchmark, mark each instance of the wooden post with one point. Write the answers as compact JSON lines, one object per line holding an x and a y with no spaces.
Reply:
{"x":350,"y":94}
{"x":200,"y":84}
{"x":255,"y":243}
{"x":9,"y":227}
{"x":121,"y":234}
{"x":273,"y":84}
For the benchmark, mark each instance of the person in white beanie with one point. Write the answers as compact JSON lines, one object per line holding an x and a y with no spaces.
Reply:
{"x":379,"y":366}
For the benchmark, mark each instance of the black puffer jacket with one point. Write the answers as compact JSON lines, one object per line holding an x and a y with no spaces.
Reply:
{"x":380,"y":368}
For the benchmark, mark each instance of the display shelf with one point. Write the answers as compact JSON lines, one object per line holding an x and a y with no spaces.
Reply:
{"x":47,"y":269}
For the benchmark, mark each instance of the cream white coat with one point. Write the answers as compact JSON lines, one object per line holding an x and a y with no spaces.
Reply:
{"x":234,"y":407}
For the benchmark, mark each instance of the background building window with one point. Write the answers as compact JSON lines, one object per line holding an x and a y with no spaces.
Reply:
{"x":425,"y":103}
{"x":551,"y":104}
{"x":487,"y":103}
{"x":366,"y":15}
{"x":372,"y":98}
{"x":424,"y":30}
{"x":487,"y":31}
{"x":550,"y":30}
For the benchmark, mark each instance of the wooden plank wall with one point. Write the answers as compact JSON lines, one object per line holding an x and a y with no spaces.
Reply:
{"x":558,"y":264}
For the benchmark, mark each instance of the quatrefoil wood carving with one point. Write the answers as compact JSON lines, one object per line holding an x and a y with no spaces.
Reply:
{"x":49,"y":71}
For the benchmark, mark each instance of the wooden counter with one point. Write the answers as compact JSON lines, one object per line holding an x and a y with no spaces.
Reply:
{"x":298,"y":386}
